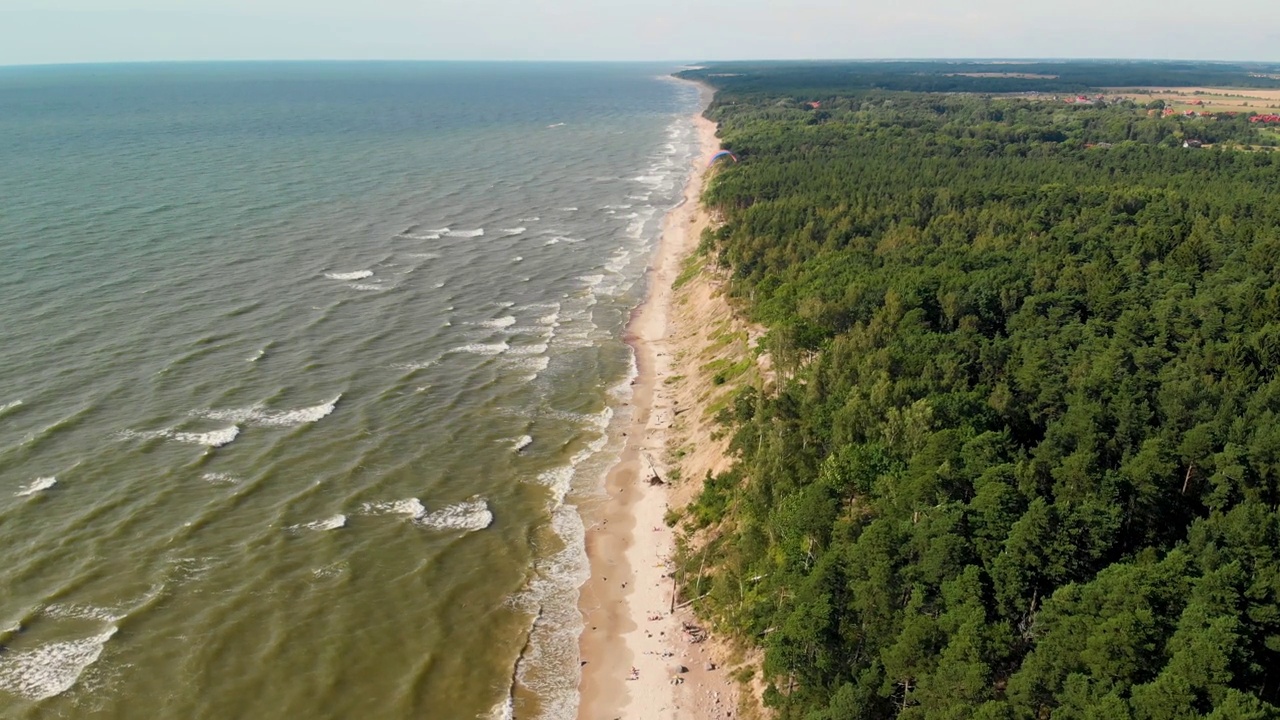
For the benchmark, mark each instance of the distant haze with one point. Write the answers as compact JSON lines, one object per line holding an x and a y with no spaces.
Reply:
{"x":57,"y":31}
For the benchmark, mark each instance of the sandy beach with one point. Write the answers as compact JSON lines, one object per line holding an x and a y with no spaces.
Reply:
{"x":637,"y":660}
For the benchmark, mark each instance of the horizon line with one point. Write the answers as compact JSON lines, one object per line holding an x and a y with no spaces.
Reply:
{"x":588,"y":61}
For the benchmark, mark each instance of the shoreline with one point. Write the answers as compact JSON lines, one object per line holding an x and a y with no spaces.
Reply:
{"x":631,"y":639}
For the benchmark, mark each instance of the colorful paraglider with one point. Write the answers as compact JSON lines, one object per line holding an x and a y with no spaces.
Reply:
{"x":722,"y":153}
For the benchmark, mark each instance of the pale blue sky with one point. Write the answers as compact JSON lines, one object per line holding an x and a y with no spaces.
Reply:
{"x":53,"y":31}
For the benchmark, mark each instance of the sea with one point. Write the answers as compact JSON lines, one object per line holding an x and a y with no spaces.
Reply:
{"x":306,"y":371}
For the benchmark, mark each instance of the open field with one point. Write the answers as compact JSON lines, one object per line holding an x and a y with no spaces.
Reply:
{"x":1212,"y":99}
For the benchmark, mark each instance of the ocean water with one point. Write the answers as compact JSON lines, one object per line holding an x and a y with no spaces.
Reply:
{"x":305,"y":368}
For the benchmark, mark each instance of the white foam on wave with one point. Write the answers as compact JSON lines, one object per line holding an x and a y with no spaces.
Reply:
{"x":636,"y":228}
{"x":528,"y":349}
{"x":521,"y":442}
{"x":578,"y":329}
{"x":218,"y":478}
{"x":513,"y":231}
{"x":483,"y":348}
{"x":591,"y":280}
{"x":568,"y":209}
{"x":559,"y":479}
{"x":468,"y":516}
{"x":414,"y":366}
{"x":518,"y":258}
{"x":51,"y":669}
{"x":410,"y":507}
{"x":618,"y":262}
{"x":551,"y":666}
{"x":331,"y":570}
{"x":557,"y":239}
{"x":423,"y":256}
{"x":555,"y":125}
{"x":260,"y":416}
{"x":464,"y":233}
{"x":529,"y":219}
{"x":37,"y":485}
{"x":504,"y":710}
{"x":623,"y":388}
{"x":9,"y":406}
{"x":356,"y":275}
{"x":329,"y":523}
{"x":536,"y":364}
{"x":212,"y":438}
{"x":367,"y":287}
{"x":498,"y":323}
{"x":419,"y":236}
{"x":77,"y":611}
{"x":615,"y":207}
{"x":257,"y":356}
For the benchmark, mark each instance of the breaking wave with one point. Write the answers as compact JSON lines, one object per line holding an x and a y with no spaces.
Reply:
{"x":212,"y":438}
{"x":498,"y":323}
{"x":329,"y":523}
{"x":52,"y":669}
{"x":357,"y":275}
{"x":470,"y":516}
{"x":483,"y":349}
{"x":37,"y":485}
{"x":260,"y":416}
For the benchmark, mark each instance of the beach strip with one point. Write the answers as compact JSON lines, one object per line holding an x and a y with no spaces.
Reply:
{"x":631,"y":642}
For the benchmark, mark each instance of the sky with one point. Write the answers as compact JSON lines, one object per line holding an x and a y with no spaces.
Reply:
{"x":64,"y":31}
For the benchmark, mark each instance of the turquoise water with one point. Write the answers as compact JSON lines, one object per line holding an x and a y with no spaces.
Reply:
{"x":305,"y":368}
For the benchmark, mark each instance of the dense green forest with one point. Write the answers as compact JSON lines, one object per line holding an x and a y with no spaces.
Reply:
{"x":743,"y":78}
{"x":1022,"y":459}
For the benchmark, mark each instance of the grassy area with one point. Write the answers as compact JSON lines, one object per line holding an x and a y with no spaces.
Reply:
{"x":725,"y":338}
{"x":692,"y":266}
{"x":724,"y":369}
